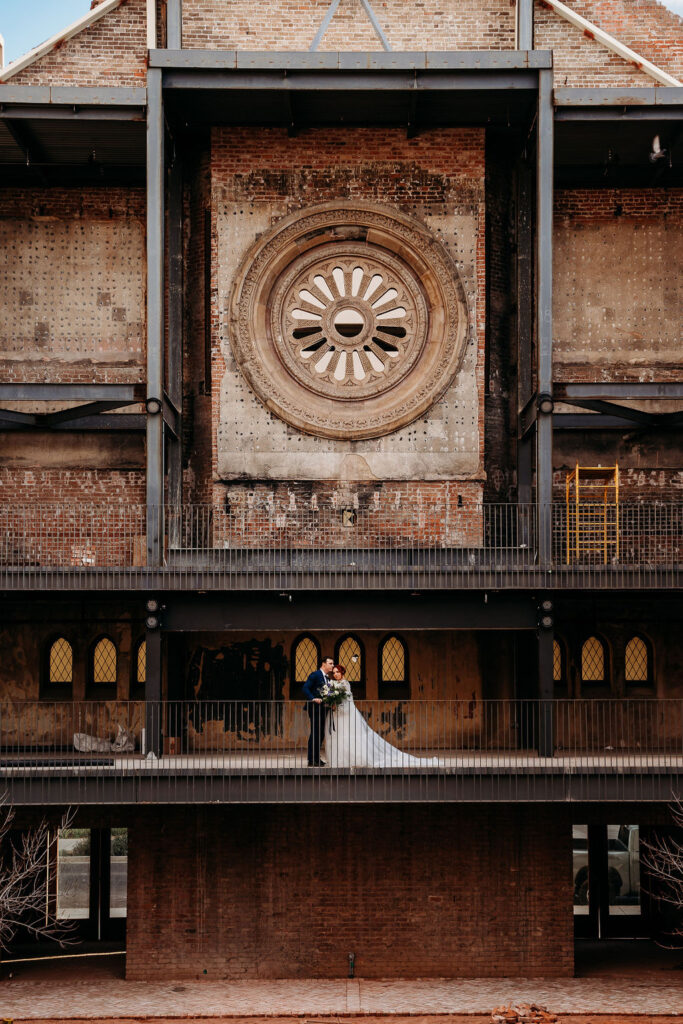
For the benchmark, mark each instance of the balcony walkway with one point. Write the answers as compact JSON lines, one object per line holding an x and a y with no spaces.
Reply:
{"x":418,"y":546}
{"x":279,"y":777}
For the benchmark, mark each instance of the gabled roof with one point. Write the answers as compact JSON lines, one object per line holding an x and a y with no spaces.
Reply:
{"x":611,"y":43}
{"x":74,"y":29}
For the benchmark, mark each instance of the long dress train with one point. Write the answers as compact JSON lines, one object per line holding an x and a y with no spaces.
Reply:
{"x":351,"y":743}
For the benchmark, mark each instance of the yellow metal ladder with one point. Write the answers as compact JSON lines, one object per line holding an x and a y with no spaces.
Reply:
{"x":592,"y":499}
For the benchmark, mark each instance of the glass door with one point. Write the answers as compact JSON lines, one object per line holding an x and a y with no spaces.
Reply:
{"x":606,"y":875}
{"x":91,"y":880}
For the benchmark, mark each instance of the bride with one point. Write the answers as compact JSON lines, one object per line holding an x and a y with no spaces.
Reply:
{"x":351,"y":743}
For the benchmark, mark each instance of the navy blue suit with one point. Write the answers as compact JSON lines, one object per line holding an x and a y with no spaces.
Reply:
{"x":317,"y":713}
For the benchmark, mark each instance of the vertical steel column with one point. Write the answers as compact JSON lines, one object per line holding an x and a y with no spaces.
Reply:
{"x":546,"y":692}
{"x":175,"y":327}
{"x":525,"y":24}
{"x":525,"y":304}
{"x":153,"y":737}
{"x":544,"y":313}
{"x":155,"y":318}
{"x":174,"y":25}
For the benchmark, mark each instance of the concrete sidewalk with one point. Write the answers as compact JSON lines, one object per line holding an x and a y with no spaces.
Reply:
{"x":31,"y":998}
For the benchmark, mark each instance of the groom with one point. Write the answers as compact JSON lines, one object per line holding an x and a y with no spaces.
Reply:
{"x":316,"y":710}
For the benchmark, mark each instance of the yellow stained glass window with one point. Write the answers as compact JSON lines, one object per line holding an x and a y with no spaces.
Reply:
{"x":61,"y":661}
{"x":306,"y":658}
{"x":593,"y":661}
{"x":637,"y":661}
{"x":141,"y":663}
{"x":351,"y":657}
{"x":393,"y":660}
{"x":557,"y":661}
{"x":104,"y":661}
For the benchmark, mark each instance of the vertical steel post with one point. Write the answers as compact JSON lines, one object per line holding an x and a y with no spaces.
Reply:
{"x":525,"y":24}
{"x":524,"y":304}
{"x":174,"y":25}
{"x":175,"y":327}
{"x":155,"y":318}
{"x":544,"y":312}
{"x":153,"y":737}
{"x":546,"y":692}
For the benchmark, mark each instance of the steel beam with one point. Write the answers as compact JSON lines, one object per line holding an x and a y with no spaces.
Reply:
{"x":525,"y":24}
{"x":339,"y":60}
{"x":155,"y":316}
{"x":52,"y":419}
{"x":73,"y":95}
{"x":126,"y":394}
{"x":153,"y":669}
{"x":619,"y":115}
{"x":586,"y":421}
{"x":544,"y":308}
{"x":174,"y":24}
{"x":643,"y":96}
{"x":524,"y":301}
{"x":384,"y":610}
{"x":546,"y":687}
{"x":352,"y":80}
{"x":175,"y":326}
{"x":624,"y":390}
{"x":104,"y":422}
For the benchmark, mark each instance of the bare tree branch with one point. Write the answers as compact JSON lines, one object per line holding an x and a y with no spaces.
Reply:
{"x":24,"y":881}
{"x":663,"y":858}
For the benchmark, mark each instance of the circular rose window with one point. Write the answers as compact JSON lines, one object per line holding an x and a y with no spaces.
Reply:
{"x":348,"y":321}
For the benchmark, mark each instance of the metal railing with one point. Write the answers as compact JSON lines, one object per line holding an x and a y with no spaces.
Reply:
{"x":409,"y":546}
{"x":399,"y":750}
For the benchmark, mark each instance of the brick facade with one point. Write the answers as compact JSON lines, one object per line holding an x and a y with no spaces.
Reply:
{"x":284,"y":892}
{"x":112,"y":52}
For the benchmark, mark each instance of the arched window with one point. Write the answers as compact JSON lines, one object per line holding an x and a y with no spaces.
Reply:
{"x":305,"y":658}
{"x":103,"y":663}
{"x":349,"y":653}
{"x":140,"y":667}
{"x":393,"y":668}
{"x":60,"y":662}
{"x":594,"y":669}
{"x":638,"y":662}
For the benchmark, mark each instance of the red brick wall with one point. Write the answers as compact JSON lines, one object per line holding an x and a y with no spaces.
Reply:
{"x":465,"y":25}
{"x":112,"y":52}
{"x":646,"y":26}
{"x":412,"y":891}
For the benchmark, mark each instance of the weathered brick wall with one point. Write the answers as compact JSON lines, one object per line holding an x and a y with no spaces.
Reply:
{"x":617,"y":296}
{"x":618,"y":267}
{"x":257,"y":177}
{"x":500,"y":384}
{"x":282,"y":892}
{"x":454,"y":25}
{"x":646,"y":26}
{"x":112,"y":52}
{"x":72,"y":306}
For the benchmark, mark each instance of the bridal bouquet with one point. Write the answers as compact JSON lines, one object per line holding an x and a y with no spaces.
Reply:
{"x":333,"y":694}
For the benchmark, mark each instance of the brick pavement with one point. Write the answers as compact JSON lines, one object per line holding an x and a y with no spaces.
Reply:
{"x":27,"y":998}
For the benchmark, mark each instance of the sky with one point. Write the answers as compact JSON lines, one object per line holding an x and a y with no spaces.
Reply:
{"x":26,"y":23}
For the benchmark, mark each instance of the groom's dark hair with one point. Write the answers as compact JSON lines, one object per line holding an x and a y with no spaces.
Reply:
{"x":327,"y":658}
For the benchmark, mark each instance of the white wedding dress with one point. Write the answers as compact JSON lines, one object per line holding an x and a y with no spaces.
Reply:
{"x":351,"y":743}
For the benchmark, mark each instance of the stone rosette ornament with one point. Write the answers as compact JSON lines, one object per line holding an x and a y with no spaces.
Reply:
{"x":348,"y":320}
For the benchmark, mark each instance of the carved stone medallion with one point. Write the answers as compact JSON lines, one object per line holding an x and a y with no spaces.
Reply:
{"x":348,"y":320}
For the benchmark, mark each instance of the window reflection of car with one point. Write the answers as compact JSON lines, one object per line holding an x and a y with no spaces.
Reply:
{"x":623,"y":864}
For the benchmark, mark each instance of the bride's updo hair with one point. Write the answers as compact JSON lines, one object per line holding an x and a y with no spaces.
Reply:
{"x":340,"y":669}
